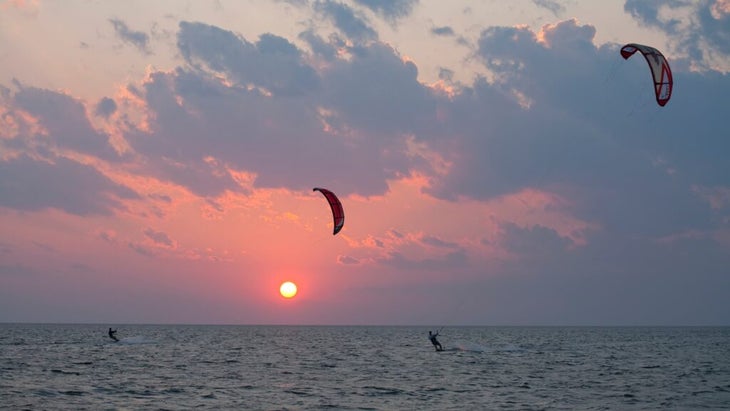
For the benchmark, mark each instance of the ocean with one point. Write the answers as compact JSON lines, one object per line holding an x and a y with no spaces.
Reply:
{"x":171,"y":367}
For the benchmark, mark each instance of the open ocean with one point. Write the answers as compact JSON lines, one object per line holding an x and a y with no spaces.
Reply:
{"x":78,"y":367}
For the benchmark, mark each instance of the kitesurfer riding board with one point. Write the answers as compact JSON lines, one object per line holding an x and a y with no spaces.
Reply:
{"x":113,"y":335}
{"x":436,"y":344}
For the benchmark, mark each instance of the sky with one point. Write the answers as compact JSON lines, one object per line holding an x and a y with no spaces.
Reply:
{"x":498,"y":162}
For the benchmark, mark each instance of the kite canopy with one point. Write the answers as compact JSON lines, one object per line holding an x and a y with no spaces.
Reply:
{"x":659,"y":67}
{"x":338,"y":214}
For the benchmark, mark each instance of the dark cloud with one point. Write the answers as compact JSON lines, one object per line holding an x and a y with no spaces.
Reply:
{"x":270,"y":44}
{"x":567,"y":116}
{"x":326,"y":50}
{"x":138,"y":39}
{"x":553,"y":6}
{"x":446,"y":74}
{"x":273,"y":63}
{"x":437,"y":242}
{"x":347,"y":21}
{"x":143,"y":250}
{"x":66,"y":121}
{"x":390,"y":9}
{"x":105,"y":107}
{"x":396,"y":234}
{"x":533,"y":242}
{"x":442,"y":31}
{"x":281,"y":139}
{"x":348,"y":130}
{"x":219,"y":127}
{"x":108,"y":236}
{"x":561,"y":114}
{"x":34,"y":185}
{"x":379,"y":92}
{"x":299,"y":3}
{"x":159,"y":238}
{"x":347,"y":260}
{"x":706,"y":31}
{"x":648,"y":12}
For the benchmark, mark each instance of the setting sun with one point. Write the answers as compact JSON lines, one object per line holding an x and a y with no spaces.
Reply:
{"x":288,"y":289}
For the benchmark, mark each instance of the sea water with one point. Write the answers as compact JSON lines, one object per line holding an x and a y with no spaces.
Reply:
{"x":390,"y":368}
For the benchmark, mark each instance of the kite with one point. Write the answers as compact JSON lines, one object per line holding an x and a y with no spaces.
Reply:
{"x":338,"y":214}
{"x":659,"y":67}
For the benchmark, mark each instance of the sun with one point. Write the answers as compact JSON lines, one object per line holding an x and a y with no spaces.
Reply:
{"x":288,"y":289}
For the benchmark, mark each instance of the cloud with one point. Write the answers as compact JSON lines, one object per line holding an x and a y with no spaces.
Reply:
{"x":442,"y":31}
{"x":159,"y":238}
{"x":533,"y":242}
{"x":277,"y":117}
{"x":390,"y":9}
{"x":138,"y":39}
{"x":703,"y":31}
{"x":556,"y":118}
{"x":65,"y":121}
{"x":109,"y":236}
{"x":378,"y":92}
{"x":105,"y":107}
{"x":325,"y":50}
{"x":552,"y":117}
{"x":143,"y":250}
{"x":35,"y":185}
{"x":346,"y":20}
{"x":347,"y":260}
{"x":273,"y":63}
{"x":553,"y":6}
{"x":437,"y":242}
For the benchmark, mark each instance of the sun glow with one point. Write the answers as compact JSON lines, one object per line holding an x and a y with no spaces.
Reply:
{"x":288,"y":289}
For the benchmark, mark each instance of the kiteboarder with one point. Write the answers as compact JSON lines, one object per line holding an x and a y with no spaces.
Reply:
{"x":113,"y":334}
{"x":434,"y":341}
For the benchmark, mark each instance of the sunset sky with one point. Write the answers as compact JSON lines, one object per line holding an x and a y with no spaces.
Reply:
{"x":498,"y":162}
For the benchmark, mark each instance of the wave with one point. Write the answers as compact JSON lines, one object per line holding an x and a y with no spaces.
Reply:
{"x":137,"y":339}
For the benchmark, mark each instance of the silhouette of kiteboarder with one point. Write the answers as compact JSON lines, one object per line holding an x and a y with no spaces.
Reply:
{"x":434,"y":341}
{"x":113,"y":334}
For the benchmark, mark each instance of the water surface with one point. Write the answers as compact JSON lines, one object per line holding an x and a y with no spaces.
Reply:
{"x":289,"y":367}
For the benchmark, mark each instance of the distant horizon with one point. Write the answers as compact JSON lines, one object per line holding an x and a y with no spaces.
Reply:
{"x":376,"y":325}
